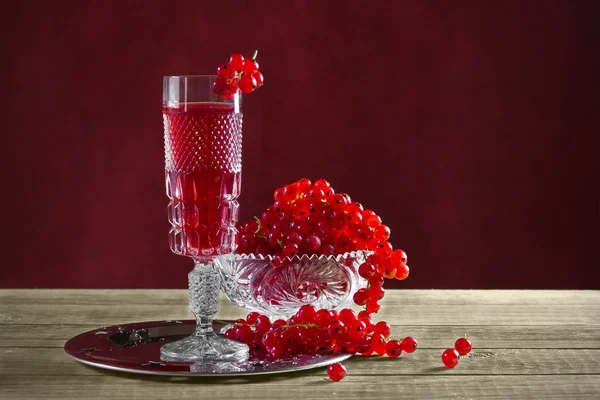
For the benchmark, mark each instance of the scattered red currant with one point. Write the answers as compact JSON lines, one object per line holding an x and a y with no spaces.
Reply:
{"x":393,"y":349}
{"x":463,"y":346}
{"x":409,"y":344}
{"x":450,"y":358}
{"x":336,"y":372}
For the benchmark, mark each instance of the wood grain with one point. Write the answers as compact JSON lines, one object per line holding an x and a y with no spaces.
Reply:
{"x":481,"y":361}
{"x":527,"y":344}
{"x":302,"y":385}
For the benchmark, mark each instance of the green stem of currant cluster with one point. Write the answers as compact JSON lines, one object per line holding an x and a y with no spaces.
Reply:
{"x":259,"y":225}
{"x":254,"y":55}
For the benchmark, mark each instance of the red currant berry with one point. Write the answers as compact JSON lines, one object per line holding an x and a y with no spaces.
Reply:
{"x":384,"y":249}
{"x":409,"y":344}
{"x":382,"y":233}
{"x":337,"y":201}
{"x":262,"y":324}
{"x":249,"y":66}
{"x":388,"y":271}
{"x":290,"y":250}
{"x":376,"y":292}
{"x":393,"y":349}
{"x":248,"y":240}
{"x":259,"y":78}
{"x":376,"y":280}
{"x":383,"y":328}
{"x":230,"y":334}
{"x":251,"y":317}
{"x":279,"y":351}
{"x":336,"y":328}
{"x":262,"y":250}
{"x":366,"y":270}
{"x":336,"y":372}
{"x":270,"y":339}
{"x":301,"y":227}
{"x":316,"y":194}
{"x":463,"y":346}
{"x":361,"y":297}
{"x":300,"y":207}
{"x":322,"y":184}
{"x":398,"y":257}
{"x":307,"y":338}
{"x":373,"y":221}
{"x":307,"y":314}
{"x":357,"y":329}
{"x":347,"y":316}
{"x":275,"y":239}
{"x":364,"y":346}
{"x":374,"y":259}
{"x":379,"y":343}
{"x":247,"y":84}
{"x":402,"y":272}
{"x":312,"y":244}
{"x":373,"y":306}
{"x":365,"y":232}
{"x":450,"y":358}
{"x":294,"y":237}
{"x":290,"y":192}
{"x":225,"y":71}
{"x":304,"y":184}
{"x":327,"y":250}
{"x":323,"y":318}
{"x":236,"y":62}
{"x":244,"y":334}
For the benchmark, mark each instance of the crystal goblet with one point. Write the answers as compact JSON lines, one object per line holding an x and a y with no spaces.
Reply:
{"x":203,"y":162}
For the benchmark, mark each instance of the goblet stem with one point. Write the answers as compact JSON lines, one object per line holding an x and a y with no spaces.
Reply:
{"x":204,"y":345}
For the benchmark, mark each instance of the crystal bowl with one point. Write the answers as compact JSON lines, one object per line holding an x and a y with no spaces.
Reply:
{"x":254,"y":283}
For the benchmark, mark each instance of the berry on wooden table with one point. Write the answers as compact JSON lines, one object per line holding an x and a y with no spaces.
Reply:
{"x":336,"y":372}
{"x":463,"y":346}
{"x":450,"y":358}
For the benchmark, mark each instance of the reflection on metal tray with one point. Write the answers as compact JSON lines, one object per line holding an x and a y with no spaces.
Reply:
{"x":136,"y":348}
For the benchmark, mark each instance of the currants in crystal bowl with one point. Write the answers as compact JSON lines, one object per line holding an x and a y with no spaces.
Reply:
{"x":278,"y":287}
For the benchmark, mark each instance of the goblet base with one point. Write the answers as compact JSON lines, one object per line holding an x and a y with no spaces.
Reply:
{"x":205,"y":348}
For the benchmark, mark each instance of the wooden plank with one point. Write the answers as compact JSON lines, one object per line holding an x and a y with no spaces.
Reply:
{"x":102,"y":315}
{"x":44,"y":361}
{"x":393,"y":296}
{"x":307,"y":385}
{"x":432,"y":336}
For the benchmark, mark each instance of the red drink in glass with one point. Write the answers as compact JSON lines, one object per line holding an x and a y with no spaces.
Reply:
{"x":203,"y":147}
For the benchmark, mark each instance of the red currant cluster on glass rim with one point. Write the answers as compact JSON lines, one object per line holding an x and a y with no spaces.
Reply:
{"x":311,"y":219}
{"x":238,"y":73}
{"x":312,"y":331}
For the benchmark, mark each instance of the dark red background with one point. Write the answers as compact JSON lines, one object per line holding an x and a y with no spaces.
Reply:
{"x":469,"y":126}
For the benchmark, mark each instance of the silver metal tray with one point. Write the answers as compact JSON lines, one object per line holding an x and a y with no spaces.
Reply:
{"x":136,"y":348}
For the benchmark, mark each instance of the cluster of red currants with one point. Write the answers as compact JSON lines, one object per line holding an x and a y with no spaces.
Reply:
{"x":450,"y":356}
{"x":238,"y":72}
{"x":312,"y":331}
{"x":311,"y":219}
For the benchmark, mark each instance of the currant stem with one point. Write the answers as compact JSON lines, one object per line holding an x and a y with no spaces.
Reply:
{"x":302,"y":326}
{"x":254,"y":55}
{"x":259,"y":224}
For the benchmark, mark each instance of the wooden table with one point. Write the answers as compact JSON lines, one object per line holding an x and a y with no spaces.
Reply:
{"x":527,"y":344}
